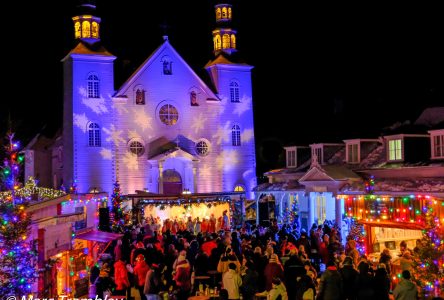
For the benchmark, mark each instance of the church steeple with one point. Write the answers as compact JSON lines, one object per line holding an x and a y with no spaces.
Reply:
{"x":224,"y":37}
{"x":86,"y":25}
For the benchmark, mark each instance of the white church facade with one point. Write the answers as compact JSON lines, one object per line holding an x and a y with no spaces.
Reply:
{"x":164,"y":130}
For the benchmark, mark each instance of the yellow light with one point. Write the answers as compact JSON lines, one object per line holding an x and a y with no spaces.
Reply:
{"x":24,"y":237}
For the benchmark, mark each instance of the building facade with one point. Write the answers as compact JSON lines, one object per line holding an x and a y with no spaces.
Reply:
{"x":165,"y":129}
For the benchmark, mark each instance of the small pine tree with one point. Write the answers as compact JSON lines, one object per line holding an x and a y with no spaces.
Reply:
{"x":17,"y":254}
{"x":429,"y":257}
{"x":118,"y":219}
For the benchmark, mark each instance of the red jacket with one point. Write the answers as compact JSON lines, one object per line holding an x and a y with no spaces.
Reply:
{"x":121,"y":275}
{"x":140,"y":271}
{"x":183,"y":275}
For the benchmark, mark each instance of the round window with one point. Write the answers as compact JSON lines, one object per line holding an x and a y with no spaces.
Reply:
{"x":137,"y":148}
{"x":202,"y":148}
{"x":168,"y":114}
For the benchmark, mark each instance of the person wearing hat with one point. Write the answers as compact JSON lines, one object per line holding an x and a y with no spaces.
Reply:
{"x":349,"y":276}
{"x":182,"y":275}
{"x":140,"y":271}
{"x":273,"y":269}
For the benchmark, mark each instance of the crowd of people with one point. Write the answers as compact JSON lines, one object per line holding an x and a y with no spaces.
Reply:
{"x":276,"y":262}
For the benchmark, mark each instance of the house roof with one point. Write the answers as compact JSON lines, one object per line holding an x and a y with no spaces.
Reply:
{"x":292,"y":185}
{"x":89,"y":49}
{"x":224,"y":59}
{"x":98,"y":236}
{"x":163,"y":145}
{"x":405,"y":185}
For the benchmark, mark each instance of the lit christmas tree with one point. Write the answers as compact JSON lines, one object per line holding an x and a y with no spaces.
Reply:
{"x":429,"y":257}
{"x":18,"y":256}
{"x":118,"y":219}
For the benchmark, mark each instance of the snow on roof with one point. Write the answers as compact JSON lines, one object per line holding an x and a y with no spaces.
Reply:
{"x":408,"y":185}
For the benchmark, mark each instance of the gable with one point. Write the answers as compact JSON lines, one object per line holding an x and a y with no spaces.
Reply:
{"x":182,"y":73}
{"x":315,"y":174}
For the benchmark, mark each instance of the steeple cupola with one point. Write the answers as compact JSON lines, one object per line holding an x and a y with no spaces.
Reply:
{"x":86,"y":25}
{"x":224,"y":37}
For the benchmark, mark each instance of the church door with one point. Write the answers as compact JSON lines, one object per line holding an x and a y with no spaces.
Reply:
{"x":172,"y":182}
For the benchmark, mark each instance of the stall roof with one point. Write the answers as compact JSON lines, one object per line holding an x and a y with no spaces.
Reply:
{"x":98,"y":236}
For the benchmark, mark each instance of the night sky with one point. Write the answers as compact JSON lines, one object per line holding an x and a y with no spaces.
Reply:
{"x":321,"y":73}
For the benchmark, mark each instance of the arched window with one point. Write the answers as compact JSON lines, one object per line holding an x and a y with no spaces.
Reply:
{"x":77,"y":30}
{"x":235,"y":135}
{"x":234,"y":91}
{"x":140,"y":97}
{"x":229,"y":12}
{"x":225,"y":41}
{"x":239,"y":188}
{"x":93,"y":86}
{"x":217,"y":42}
{"x":224,"y":12}
{"x":94,"y":135}
{"x":233,"y":41}
{"x":218,"y":13}
{"x":86,"y":33}
{"x":95,"y":30}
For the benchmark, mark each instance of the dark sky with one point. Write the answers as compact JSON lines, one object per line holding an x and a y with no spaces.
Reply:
{"x":322,"y":73}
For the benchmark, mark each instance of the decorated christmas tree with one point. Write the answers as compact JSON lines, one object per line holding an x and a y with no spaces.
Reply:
{"x":429,"y":258}
{"x":118,"y":218}
{"x":17,"y":253}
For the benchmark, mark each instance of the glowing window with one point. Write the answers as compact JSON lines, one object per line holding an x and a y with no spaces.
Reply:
{"x":202,"y":148}
{"x":235,"y":135}
{"x":234,"y":92}
{"x":93,"y":86}
{"x":239,"y":188}
{"x":321,"y":212}
{"x":229,"y":12}
{"x":233,"y":41}
{"x":77,"y":30}
{"x":218,"y":13}
{"x":395,"y":149}
{"x":95,"y":30}
{"x":225,"y":41}
{"x":168,"y":114}
{"x":224,"y":12}
{"x":94,"y":135}
{"x":86,"y":33}
{"x":136,"y":148}
{"x":217,"y":42}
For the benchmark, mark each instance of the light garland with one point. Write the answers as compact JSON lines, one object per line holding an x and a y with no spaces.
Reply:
{"x":31,"y":190}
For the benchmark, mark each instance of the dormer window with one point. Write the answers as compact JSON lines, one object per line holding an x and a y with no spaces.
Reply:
{"x":291,"y":157}
{"x":395,"y":149}
{"x":353,"y":153}
{"x":437,"y":138}
{"x":317,"y":151}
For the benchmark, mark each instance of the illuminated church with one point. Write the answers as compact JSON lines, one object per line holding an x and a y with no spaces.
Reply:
{"x":164,"y":130}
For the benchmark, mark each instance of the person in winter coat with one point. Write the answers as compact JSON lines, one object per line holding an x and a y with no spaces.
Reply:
{"x":406,"y":289}
{"x":249,"y":280}
{"x":152,"y":284}
{"x":330,"y":287}
{"x":120,"y":278}
{"x":277,"y":289}
{"x":349,"y":276}
{"x":140,"y":271}
{"x":232,"y":281}
{"x":306,"y":289}
{"x":182,"y":276}
{"x":273,"y":269}
{"x":226,"y":259}
{"x":381,"y":281}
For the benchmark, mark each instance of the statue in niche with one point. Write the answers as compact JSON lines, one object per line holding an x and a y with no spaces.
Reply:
{"x":140,"y":97}
{"x":193,"y":99}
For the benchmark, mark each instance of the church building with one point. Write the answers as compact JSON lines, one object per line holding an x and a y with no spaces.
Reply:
{"x":164,"y":129}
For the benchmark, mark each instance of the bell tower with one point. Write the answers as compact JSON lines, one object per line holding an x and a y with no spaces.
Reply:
{"x":86,"y":24}
{"x":224,"y":37}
